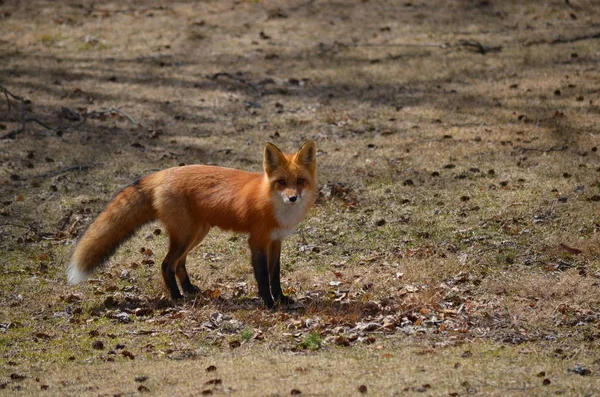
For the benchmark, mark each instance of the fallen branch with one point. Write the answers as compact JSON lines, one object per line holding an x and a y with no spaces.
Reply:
{"x":7,"y":93}
{"x":64,"y":170}
{"x":120,"y":111}
{"x":23,"y":119}
{"x":564,"y":40}
{"x":533,"y":149}
{"x":478,"y":47}
{"x":126,"y":10}
{"x":74,"y":115}
{"x":409,"y":45}
{"x":236,"y":79}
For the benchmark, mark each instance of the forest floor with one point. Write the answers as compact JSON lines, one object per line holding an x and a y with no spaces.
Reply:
{"x":454,"y":248}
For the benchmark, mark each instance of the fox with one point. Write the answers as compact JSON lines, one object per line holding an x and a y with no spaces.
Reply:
{"x":190,"y":200}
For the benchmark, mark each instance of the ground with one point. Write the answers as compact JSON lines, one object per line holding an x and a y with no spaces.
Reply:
{"x":454,"y":246}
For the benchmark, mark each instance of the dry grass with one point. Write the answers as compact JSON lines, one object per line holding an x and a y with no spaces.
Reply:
{"x":458,"y":209}
{"x":432,"y":370}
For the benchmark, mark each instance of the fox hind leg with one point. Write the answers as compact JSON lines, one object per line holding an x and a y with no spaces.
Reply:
{"x":176,"y":250}
{"x":181,"y":271}
{"x":184,"y":278}
{"x":183,"y":233}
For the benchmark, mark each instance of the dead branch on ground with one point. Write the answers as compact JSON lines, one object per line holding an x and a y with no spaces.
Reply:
{"x":23,"y":118}
{"x":114,"y":110}
{"x":237,"y":80}
{"x":533,"y":149}
{"x":564,"y":40}
{"x":478,"y":47}
{"x":82,"y":117}
{"x":64,"y":170}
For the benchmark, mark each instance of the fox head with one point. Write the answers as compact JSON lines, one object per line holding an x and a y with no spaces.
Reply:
{"x":292,"y":177}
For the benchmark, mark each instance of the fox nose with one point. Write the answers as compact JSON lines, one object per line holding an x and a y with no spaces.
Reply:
{"x":293,"y":198}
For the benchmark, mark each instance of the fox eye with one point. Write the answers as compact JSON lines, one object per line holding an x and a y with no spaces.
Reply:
{"x":301,"y":181}
{"x":281,"y":182}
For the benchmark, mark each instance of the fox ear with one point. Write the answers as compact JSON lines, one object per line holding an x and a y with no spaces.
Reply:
{"x":307,"y":154}
{"x":273,"y":158}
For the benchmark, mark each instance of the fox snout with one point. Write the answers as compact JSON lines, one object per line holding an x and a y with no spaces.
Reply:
{"x":290,"y":197}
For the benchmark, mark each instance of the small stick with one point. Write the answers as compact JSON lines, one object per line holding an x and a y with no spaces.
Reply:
{"x":23,"y":119}
{"x":236,"y":79}
{"x":63,"y":170}
{"x":111,"y":110}
{"x":552,"y":149}
{"x":120,"y":111}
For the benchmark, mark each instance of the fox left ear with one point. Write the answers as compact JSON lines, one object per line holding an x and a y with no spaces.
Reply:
{"x":307,"y":155}
{"x":273,"y":158}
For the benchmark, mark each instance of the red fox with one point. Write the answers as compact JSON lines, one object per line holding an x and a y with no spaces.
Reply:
{"x":190,"y":200}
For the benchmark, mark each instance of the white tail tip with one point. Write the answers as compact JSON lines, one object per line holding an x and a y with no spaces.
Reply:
{"x":74,"y":275}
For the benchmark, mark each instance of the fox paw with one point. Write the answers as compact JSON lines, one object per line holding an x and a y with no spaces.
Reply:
{"x":191,"y":289}
{"x":285,"y":300}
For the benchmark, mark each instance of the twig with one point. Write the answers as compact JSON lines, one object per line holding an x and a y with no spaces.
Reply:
{"x":64,"y":170}
{"x":21,"y":126}
{"x":7,"y":93}
{"x":125,"y":10}
{"x":552,"y":149}
{"x":236,"y":79}
{"x":74,"y":115}
{"x":66,"y":221}
{"x":122,"y":112}
{"x":23,"y":119}
{"x":478,"y":47}
{"x":563,"y":40}
{"x":33,"y":119}
{"x":7,"y":99}
{"x":409,"y":45}
{"x":109,"y":111}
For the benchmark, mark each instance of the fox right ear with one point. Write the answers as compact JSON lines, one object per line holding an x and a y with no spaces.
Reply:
{"x":273,"y":158}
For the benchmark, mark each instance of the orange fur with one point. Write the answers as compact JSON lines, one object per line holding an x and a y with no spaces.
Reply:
{"x":190,"y":200}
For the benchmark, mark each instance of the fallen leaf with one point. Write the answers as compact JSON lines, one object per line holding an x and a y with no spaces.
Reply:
{"x":571,"y":250}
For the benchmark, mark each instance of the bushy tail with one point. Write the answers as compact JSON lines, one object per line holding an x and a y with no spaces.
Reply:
{"x":129,"y":210}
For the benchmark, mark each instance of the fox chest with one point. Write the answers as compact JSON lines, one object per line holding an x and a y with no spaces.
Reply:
{"x":288,"y":217}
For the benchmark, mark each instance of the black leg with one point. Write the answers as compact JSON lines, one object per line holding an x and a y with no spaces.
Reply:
{"x":188,"y":287}
{"x":184,"y":278}
{"x":274,"y":273}
{"x":170,"y":281}
{"x":276,"y":287}
{"x":261,"y":273}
